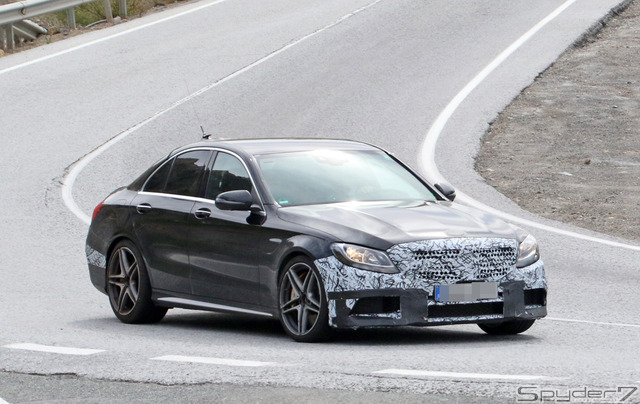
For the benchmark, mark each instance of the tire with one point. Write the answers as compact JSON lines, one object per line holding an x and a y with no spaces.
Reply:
{"x":129,"y":288}
{"x":302,"y":302}
{"x":507,"y":328}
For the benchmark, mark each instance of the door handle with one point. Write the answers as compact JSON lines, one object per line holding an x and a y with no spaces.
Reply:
{"x":202,"y":213}
{"x":143,"y":208}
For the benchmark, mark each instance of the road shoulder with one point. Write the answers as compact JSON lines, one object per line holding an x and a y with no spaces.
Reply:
{"x":568,"y":148}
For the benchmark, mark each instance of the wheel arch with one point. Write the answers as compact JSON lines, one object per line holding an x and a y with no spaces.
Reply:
{"x":112,"y":245}
{"x":304,"y":245}
{"x":310,"y":247}
{"x":291,"y":255}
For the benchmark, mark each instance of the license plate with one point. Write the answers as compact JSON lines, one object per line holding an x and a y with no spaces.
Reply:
{"x":466,"y":292}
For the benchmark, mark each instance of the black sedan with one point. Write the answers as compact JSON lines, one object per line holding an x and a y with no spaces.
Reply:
{"x":320,"y":234}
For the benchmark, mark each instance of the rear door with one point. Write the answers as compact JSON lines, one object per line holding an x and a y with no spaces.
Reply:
{"x":161,"y":223}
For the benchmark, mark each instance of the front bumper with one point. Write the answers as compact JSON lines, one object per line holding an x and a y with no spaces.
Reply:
{"x":398,"y":307}
{"x":358,"y":298}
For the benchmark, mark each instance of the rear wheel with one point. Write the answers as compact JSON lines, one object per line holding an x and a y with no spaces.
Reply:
{"x":507,"y":328}
{"x":302,"y":302}
{"x":129,"y":288}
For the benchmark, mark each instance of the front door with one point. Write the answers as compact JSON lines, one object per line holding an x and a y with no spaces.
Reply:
{"x":223,"y":246}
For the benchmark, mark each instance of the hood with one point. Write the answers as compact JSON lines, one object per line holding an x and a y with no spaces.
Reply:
{"x":383,"y":224}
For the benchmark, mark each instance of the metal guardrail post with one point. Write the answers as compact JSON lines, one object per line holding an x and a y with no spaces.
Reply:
{"x":107,"y":11}
{"x":11,"y":40}
{"x":71,"y":17}
{"x":123,"y":9}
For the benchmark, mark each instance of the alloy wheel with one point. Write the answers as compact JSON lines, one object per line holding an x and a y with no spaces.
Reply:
{"x":300,"y":299}
{"x":124,"y":281}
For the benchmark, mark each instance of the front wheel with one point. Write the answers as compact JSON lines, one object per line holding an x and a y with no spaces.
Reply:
{"x":302,"y":302}
{"x":507,"y":328}
{"x":129,"y":288}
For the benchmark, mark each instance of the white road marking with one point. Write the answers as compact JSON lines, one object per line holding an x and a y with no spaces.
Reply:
{"x":116,"y":35}
{"x":568,"y":320}
{"x":515,"y":219}
{"x":54,"y":349}
{"x":427,"y":154}
{"x":2,"y":401}
{"x":454,"y":375}
{"x":213,"y":361}
{"x":76,"y":169}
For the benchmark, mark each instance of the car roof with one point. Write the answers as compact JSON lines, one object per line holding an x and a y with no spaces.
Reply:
{"x":257,"y":147}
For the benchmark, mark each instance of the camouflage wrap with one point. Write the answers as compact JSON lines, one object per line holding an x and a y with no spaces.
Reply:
{"x":423,"y":264}
{"x":95,"y":258}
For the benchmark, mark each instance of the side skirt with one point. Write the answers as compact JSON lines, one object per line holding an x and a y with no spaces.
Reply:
{"x":195,"y":304}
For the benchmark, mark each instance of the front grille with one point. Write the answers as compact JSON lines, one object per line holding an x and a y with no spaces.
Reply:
{"x":454,"y":260}
{"x":465,"y":310}
{"x":436,"y":255}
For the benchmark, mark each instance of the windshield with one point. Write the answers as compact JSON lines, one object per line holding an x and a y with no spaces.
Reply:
{"x":331,"y":176}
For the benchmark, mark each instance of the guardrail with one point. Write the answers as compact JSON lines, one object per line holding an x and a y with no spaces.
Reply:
{"x":13,"y":13}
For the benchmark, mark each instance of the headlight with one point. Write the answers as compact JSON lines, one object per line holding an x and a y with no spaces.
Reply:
{"x":363,"y":258}
{"x":528,"y":252}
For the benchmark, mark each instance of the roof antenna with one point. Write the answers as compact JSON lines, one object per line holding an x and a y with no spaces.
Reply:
{"x":204,"y":134}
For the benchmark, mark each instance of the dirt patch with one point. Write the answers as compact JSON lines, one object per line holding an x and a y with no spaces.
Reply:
{"x":568,"y":148}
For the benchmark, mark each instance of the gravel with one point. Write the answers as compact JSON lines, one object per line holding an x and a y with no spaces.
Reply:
{"x":568,"y":148}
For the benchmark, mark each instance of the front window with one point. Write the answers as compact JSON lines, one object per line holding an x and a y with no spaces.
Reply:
{"x":332,"y":176}
{"x":228,"y":174}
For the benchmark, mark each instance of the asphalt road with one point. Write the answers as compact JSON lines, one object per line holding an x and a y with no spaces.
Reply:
{"x":380,"y":71}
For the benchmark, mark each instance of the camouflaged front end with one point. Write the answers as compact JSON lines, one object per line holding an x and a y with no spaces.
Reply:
{"x":424,"y":264}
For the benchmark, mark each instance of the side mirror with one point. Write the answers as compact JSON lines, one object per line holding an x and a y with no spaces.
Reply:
{"x":234,"y":200}
{"x":446,"y":190}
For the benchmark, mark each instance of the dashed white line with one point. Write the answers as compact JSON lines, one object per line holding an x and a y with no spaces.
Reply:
{"x":455,"y":375}
{"x":213,"y":361}
{"x":2,"y":401}
{"x":54,"y":349}
{"x":72,"y":175}
{"x":427,"y":154}
{"x":567,"y":320}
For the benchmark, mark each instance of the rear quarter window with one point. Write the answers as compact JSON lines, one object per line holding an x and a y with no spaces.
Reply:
{"x":158,"y":180}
